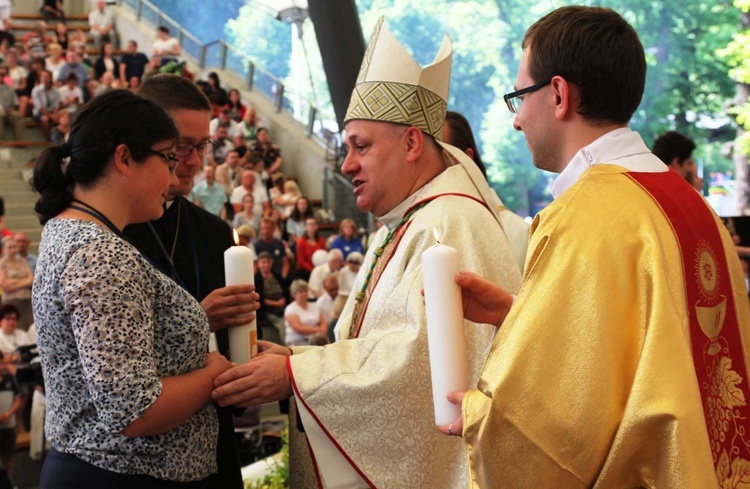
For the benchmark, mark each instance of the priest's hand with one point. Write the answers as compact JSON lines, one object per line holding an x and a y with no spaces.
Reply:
{"x":263,"y":379}
{"x":483,"y":301}
{"x":456,"y":428}
{"x":270,"y":348}
{"x":234,"y":305}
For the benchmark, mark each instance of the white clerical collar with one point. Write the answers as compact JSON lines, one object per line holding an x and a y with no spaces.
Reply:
{"x":615,"y":147}
{"x":392,"y":218}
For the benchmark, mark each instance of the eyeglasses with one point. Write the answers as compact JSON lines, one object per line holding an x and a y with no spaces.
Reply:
{"x":170,"y":159}
{"x":513,"y":99}
{"x":185,"y":149}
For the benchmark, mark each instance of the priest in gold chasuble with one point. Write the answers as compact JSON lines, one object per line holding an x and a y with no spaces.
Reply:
{"x":623,"y":361}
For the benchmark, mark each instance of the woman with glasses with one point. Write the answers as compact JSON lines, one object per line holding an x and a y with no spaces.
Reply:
{"x":123,"y":347}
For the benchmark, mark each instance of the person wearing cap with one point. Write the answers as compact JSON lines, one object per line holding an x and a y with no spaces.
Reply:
{"x":365,"y":401}
{"x":623,"y":360}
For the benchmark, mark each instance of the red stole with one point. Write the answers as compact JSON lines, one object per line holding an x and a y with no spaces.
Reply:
{"x":714,"y":328}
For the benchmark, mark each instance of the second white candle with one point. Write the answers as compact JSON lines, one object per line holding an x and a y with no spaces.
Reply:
{"x":445,"y":329}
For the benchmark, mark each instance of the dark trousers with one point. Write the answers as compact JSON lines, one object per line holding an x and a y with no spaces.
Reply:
{"x":63,"y":471}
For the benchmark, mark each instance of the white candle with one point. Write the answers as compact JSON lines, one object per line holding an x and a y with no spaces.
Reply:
{"x":238,"y":270}
{"x":445,"y":329}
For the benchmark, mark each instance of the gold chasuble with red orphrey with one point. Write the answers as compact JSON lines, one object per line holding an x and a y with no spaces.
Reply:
{"x":623,"y":361}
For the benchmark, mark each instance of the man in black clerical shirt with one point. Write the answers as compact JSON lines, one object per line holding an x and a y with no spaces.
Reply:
{"x":188,"y":243}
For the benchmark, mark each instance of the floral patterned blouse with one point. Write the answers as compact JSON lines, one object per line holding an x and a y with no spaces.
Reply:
{"x":110,"y":326}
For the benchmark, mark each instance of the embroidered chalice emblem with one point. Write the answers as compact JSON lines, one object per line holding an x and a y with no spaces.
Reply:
{"x":711,"y":309}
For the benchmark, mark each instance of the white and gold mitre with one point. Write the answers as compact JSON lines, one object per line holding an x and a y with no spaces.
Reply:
{"x":392,"y":87}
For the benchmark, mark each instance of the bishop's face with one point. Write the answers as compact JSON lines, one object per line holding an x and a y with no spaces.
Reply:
{"x":376,"y":158}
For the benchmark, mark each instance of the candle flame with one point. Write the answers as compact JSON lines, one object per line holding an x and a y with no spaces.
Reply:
{"x":436,"y":234}
{"x":236,"y":237}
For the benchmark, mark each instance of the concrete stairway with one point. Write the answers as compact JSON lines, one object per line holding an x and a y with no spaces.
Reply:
{"x":15,"y":188}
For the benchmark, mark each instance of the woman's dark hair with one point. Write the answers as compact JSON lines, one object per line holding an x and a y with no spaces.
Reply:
{"x":215,"y":77}
{"x":113,"y":118}
{"x":296,"y":215}
{"x":463,"y":138}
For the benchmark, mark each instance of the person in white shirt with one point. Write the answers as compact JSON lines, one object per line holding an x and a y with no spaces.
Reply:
{"x":302,"y":319}
{"x":71,"y":95}
{"x":101,"y":21}
{"x":165,"y":47}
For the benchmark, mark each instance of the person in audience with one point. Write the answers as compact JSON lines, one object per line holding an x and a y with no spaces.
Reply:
{"x":74,"y":64}
{"x":116,"y":394}
{"x":11,"y":403}
{"x":198,"y":264}
{"x":346,"y":276}
{"x":52,"y":9}
{"x":9,"y":109}
{"x":167,"y":48}
{"x":23,"y":250}
{"x":247,"y":216}
{"x":106,"y":61}
{"x":54,"y":61}
{"x":221,"y":145}
{"x":296,"y":222}
{"x":229,"y":173}
{"x":248,"y":186}
{"x":7,"y":38}
{"x":215,"y":92}
{"x":16,"y":279}
{"x":4,"y":231}
{"x":5,"y":10}
{"x":47,"y":103}
{"x":132,"y":64}
{"x":33,"y":79}
{"x":71,"y":94}
{"x":11,"y":336}
{"x":59,"y":133}
{"x":327,"y":303}
{"x":224,"y":118}
{"x":307,"y":244}
{"x":457,"y":132}
{"x":302,"y":319}
{"x":267,"y":151}
{"x":334,"y":262}
{"x":676,"y":151}
{"x":209,"y":194}
{"x":236,"y":108}
{"x":273,"y":290}
{"x":106,"y":83}
{"x":247,"y":129}
{"x":61,"y":35}
{"x":76,"y":39}
{"x":18,"y":76}
{"x":285,"y":202}
{"x":35,"y":41}
{"x":102,"y":22}
{"x":347,"y":240}
{"x":245,"y":236}
{"x":273,"y":246}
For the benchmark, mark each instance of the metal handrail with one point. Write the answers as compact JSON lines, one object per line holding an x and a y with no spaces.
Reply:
{"x":252,"y":68}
